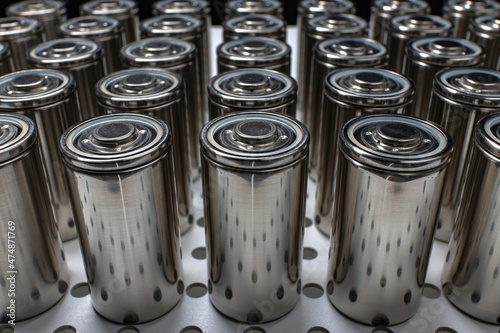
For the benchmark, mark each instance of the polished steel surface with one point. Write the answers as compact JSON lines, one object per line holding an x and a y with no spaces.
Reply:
{"x":33,"y":266}
{"x":235,"y":8}
{"x":260,"y":90}
{"x":261,"y":52}
{"x":471,"y":272}
{"x":347,"y":52}
{"x":6,"y":62}
{"x":382,"y":11}
{"x":47,"y":97}
{"x":349,"y":93}
{"x":254,"y":25}
{"x":160,"y":93}
{"x":81,"y":58}
{"x":125,"y":11}
{"x":402,"y":29}
{"x":391,"y":172}
{"x":20,"y":34}
{"x":122,"y":181}
{"x":485,"y":31}
{"x":460,"y":98}
{"x":105,"y":30}
{"x":49,"y":12}
{"x":425,"y":57}
{"x":462,"y":12}
{"x":254,"y":187}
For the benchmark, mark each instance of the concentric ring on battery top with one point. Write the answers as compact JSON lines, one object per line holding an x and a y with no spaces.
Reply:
{"x":159,"y":51}
{"x":181,"y":7}
{"x":261,"y":24}
{"x":488,"y":134}
{"x":338,"y":25}
{"x":64,"y":52}
{"x":14,"y":27}
{"x":249,"y":51}
{"x":449,"y":51}
{"x":319,"y":7}
{"x":90,"y":26}
{"x":36,"y":8}
{"x":351,"y":51}
{"x":171,"y":25}
{"x":471,"y":8}
{"x":109,"y":7}
{"x":17,"y":134}
{"x":400,"y":7}
{"x":246,"y":7}
{"x":418,"y":25}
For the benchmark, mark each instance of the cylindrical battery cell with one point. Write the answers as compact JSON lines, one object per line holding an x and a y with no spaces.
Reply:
{"x":6,"y":62}
{"x":254,"y":26}
{"x":485,"y":31}
{"x":462,"y":12}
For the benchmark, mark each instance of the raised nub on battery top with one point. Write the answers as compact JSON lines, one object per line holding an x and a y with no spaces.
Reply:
{"x":255,"y":132}
{"x":114,"y":134}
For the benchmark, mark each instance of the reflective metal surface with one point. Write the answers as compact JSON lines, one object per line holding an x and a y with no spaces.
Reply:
{"x":248,"y":26}
{"x":425,"y":57}
{"x":82,"y":58}
{"x":48,"y":98}
{"x":254,"y":187}
{"x":462,"y":12}
{"x":20,"y":34}
{"x":122,"y":181}
{"x":349,"y":93}
{"x":34,"y":272}
{"x":402,"y":29}
{"x":6,"y":62}
{"x":160,"y":93}
{"x":49,"y":12}
{"x":260,"y":90}
{"x":105,"y":30}
{"x":470,"y":275}
{"x":391,"y":172}
{"x":235,"y":8}
{"x":125,"y":11}
{"x":263,"y":53}
{"x":485,"y":31}
{"x":460,"y":98}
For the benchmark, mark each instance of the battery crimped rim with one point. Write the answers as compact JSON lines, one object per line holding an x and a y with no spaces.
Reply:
{"x":22,"y":141}
{"x":295,"y":151}
{"x":270,"y":7}
{"x":483,"y":25}
{"x":313,"y":8}
{"x":417,"y":49}
{"x":108,"y":26}
{"x":378,"y":58}
{"x":434,"y":159}
{"x":398,"y":26}
{"x":29,"y":27}
{"x":278,"y":25}
{"x":197,"y":8}
{"x":457,"y":8}
{"x":124,"y":8}
{"x":55,"y":8}
{"x":486,"y":138}
{"x":316,"y":26}
{"x":190,"y":26}
{"x":148,"y":153}
{"x":281,"y":56}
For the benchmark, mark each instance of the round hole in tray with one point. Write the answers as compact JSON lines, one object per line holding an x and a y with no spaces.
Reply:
{"x":65,"y":329}
{"x":128,"y":329}
{"x":254,"y":329}
{"x":80,"y":290}
{"x":309,"y":222}
{"x":310,"y":253}
{"x":313,"y":290}
{"x":191,"y":329}
{"x":6,"y":329}
{"x":196,"y":290}
{"x":381,"y":330}
{"x":199,"y":253}
{"x":431,"y":291}
{"x":201,"y":222}
{"x":318,"y":329}
{"x":445,"y":330}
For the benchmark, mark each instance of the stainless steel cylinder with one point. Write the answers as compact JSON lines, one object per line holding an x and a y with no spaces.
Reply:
{"x":105,"y":30}
{"x":382,"y":11}
{"x":49,"y":12}
{"x":462,"y":12}
{"x":460,"y":97}
{"x":20,"y":34}
{"x":425,"y":57}
{"x":235,"y":8}
{"x":34,"y":273}
{"x":6,"y":62}
{"x":470,"y":275}
{"x":179,"y":57}
{"x":47,"y":97}
{"x":260,"y":90}
{"x":320,"y":28}
{"x":254,"y":188}
{"x":391,"y":172}
{"x":124,"y":11}
{"x":160,"y":93}
{"x":349,"y":93}
{"x":122,"y":181}
{"x":82,"y":58}
{"x":263,"y":53}
{"x":347,"y":52}
{"x":402,"y":29}
{"x":485,"y":31}
{"x":248,"y":26}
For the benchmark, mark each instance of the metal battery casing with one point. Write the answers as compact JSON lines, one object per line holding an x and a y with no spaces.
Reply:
{"x":485,"y":31}
{"x":462,"y":12}
{"x":82,"y":58}
{"x":6,"y":62}
{"x":105,"y":30}
{"x":254,"y":26}
{"x":260,"y":90}
{"x":391,"y":172}
{"x":382,"y":11}
{"x":28,"y":230}
{"x":460,"y":97}
{"x":49,"y":98}
{"x":254,"y":188}
{"x":425,"y":57}
{"x":349,"y":93}
{"x":402,"y":29}
{"x":122,"y":181}
{"x":179,"y":57}
{"x":125,"y":11}
{"x":470,"y":274}
{"x":160,"y":93}
{"x":320,"y":28}
{"x":328,"y":55}
{"x":50,"y":13}
{"x":235,"y":8}
{"x":263,"y":53}
{"x":20,"y":34}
